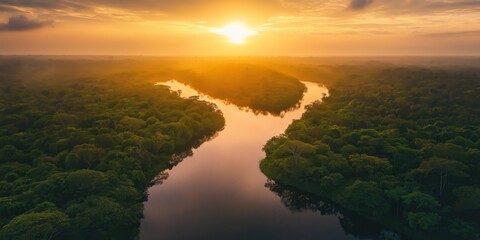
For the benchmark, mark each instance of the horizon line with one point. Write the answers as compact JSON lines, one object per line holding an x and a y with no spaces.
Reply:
{"x":258,"y":56}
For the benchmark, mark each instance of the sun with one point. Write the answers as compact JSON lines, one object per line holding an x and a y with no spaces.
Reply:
{"x":236,"y":32}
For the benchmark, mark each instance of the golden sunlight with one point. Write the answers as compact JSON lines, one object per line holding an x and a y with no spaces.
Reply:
{"x":236,"y":32}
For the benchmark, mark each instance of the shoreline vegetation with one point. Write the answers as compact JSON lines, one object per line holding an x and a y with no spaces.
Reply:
{"x":352,"y":223}
{"x":397,"y":145}
{"x":247,"y":85}
{"x":82,"y":139}
{"x":78,"y":153}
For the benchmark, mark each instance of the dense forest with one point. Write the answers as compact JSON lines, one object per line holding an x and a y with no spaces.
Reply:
{"x":77,"y":153}
{"x":81,"y":141}
{"x":399,"y":146}
{"x":353,"y":224}
{"x":244,"y":84}
{"x":253,"y":83}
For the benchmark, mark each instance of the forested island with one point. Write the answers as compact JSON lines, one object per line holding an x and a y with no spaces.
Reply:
{"x":246,"y":85}
{"x":77,"y":153}
{"x":397,"y":145}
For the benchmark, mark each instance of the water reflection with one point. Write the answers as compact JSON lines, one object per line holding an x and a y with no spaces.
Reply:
{"x":177,"y":158}
{"x":219,"y":193}
{"x":352,"y":224}
{"x":160,"y":178}
{"x":298,"y":202}
{"x":188,"y":92}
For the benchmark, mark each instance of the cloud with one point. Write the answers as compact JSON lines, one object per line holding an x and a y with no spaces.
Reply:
{"x":421,"y":7}
{"x":42,"y":4}
{"x":169,"y":6}
{"x":475,"y":33}
{"x":214,"y":11}
{"x":192,"y":10}
{"x":23,"y":23}
{"x":7,"y":9}
{"x":359,"y":4}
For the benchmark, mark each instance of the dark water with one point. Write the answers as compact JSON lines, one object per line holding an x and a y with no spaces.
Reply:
{"x":220,"y":193}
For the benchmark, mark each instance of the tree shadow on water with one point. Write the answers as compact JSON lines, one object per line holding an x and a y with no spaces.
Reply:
{"x":353,"y":224}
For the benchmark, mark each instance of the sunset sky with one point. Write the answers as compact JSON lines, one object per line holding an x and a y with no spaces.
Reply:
{"x":281,"y":27}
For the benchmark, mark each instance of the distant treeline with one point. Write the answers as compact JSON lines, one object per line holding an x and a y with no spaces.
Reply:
{"x":253,"y":83}
{"x":77,"y":153}
{"x":400,"y":146}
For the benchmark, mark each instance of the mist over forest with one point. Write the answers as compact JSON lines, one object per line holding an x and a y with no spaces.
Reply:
{"x":395,"y":143}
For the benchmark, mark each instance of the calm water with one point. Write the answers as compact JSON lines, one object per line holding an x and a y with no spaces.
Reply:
{"x":220,"y":193}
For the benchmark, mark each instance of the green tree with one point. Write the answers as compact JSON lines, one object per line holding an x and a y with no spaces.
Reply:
{"x":104,"y":217}
{"x":365,"y":197}
{"x":365,"y":165}
{"x":423,"y":221}
{"x":468,"y":198}
{"x":42,"y":225}
{"x":464,"y":230}
{"x":443,"y":168}
{"x":131,"y":123}
{"x":418,"y":201}
{"x":64,"y":119}
{"x":8,"y":153}
{"x":331,"y":180}
{"x":295,"y":149}
{"x":83,"y":156}
{"x":86,"y":182}
{"x":396,"y":194}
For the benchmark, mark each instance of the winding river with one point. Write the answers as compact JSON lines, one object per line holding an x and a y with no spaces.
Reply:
{"x":220,"y":193}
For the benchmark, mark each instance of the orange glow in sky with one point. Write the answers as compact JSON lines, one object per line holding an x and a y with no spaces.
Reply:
{"x":285,"y":28}
{"x":236,"y":32}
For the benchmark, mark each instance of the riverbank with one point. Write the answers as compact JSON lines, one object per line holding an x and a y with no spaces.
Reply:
{"x":381,"y":142}
{"x":219,"y":192}
{"x":77,"y":154}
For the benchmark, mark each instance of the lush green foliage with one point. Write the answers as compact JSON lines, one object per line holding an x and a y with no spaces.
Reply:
{"x":76,"y":154}
{"x":401,"y":146}
{"x":246,"y":85}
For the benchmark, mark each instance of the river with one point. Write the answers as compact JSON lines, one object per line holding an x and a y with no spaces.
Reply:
{"x":220,"y":193}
